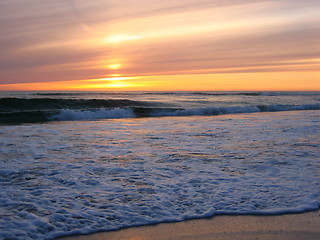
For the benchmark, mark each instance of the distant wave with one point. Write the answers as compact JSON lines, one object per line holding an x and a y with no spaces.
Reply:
{"x":129,"y":95}
{"x":234,"y":93}
{"x":204,"y":93}
{"x":58,"y":93}
{"x":227,"y":93}
{"x":36,"y":104}
{"x":15,"y":111}
{"x":210,"y":111}
{"x":145,"y":93}
{"x":81,"y":94}
{"x":19,"y":110}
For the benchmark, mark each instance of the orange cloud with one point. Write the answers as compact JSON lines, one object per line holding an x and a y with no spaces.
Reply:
{"x":58,"y":41}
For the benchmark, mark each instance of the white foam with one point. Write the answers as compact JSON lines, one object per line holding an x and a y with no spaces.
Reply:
{"x":68,"y":114}
{"x":209,"y":111}
{"x":82,"y":177}
{"x":277,"y":108}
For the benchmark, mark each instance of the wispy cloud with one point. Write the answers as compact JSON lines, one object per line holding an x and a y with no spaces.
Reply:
{"x":71,"y":39}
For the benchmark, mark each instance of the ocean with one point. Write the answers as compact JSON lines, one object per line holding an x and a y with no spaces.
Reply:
{"x":83,"y":162}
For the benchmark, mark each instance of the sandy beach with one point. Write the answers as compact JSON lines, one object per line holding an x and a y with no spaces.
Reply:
{"x":289,"y":226}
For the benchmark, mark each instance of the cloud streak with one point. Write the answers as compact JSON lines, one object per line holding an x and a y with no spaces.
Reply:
{"x":68,"y":39}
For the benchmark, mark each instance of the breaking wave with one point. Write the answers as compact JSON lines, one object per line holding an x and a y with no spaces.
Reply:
{"x":36,"y":104}
{"x":16,"y":111}
{"x":67,"y":114}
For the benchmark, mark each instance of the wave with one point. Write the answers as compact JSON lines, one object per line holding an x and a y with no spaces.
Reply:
{"x":67,"y":114}
{"x":59,"y":93}
{"x":235,"y":93}
{"x":81,"y":94}
{"x":10,"y":105}
{"x":83,"y":110}
{"x":227,"y":93}
{"x":290,"y":93}
{"x":186,"y":93}
{"x":210,"y":111}
{"x":20,"y":110}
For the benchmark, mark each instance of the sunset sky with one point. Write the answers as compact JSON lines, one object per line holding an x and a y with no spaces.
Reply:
{"x":159,"y":45}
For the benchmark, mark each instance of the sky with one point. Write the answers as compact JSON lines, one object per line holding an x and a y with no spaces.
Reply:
{"x":160,"y":45}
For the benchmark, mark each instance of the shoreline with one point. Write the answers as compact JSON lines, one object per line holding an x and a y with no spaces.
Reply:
{"x":221,"y":227}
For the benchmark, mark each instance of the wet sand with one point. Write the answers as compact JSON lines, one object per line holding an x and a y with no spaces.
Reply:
{"x":305,"y":226}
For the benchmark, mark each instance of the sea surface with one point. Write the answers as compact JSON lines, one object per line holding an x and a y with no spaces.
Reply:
{"x":82,"y":162}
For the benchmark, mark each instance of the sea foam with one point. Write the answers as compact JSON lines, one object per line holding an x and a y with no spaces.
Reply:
{"x":95,"y":114}
{"x":59,"y":179}
{"x":69,"y":114}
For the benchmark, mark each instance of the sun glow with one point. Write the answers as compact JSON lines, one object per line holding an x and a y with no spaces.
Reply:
{"x":115,"y":81}
{"x":121,"y":38}
{"x":105,"y":85}
{"x":169,"y":45}
{"x":114,"y":78}
{"x":205,"y":82}
{"x":115,"y":66}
